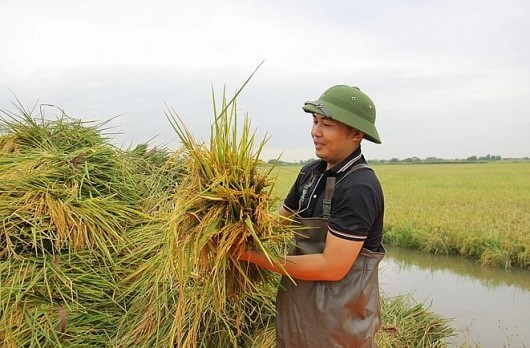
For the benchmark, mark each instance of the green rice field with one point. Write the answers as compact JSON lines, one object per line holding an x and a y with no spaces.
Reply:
{"x":476,"y":210}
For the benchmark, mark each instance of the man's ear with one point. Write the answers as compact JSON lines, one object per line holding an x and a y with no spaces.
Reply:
{"x":356,"y":134}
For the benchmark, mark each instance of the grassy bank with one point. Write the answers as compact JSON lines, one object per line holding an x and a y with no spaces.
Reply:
{"x":478,"y":211}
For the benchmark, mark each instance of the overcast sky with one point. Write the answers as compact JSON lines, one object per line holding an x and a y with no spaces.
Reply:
{"x":449,"y":78}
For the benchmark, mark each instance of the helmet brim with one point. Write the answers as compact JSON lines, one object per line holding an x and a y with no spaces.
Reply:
{"x":344,"y":116}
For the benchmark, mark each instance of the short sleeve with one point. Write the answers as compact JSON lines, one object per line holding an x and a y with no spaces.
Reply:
{"x":354,"y":211}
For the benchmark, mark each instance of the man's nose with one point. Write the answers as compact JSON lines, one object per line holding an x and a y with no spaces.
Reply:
{"x":316,"y":130}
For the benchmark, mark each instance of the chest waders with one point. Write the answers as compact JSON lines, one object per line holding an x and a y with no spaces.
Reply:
{"x":325,"y":314}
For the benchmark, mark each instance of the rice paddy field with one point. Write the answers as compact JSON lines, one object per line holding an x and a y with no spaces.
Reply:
{"x":476,"y":210}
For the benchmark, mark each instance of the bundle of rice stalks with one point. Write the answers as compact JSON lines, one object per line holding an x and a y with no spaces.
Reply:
{"x":67,"y":198}
{"x":190,"y":290}
{"x":223,"y":206}
{"x":22,"y":132}
{"x":407,"y":323}
{"x":57,"y":301}
{"x":62,"y":187}
{"x":160,"y":172}
{"x":167,"y":307}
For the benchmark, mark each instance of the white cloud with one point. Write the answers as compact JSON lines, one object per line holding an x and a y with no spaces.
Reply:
{"x":442,"y":74}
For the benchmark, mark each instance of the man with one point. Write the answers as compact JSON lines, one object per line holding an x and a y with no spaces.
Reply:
{"x":334,"y":301}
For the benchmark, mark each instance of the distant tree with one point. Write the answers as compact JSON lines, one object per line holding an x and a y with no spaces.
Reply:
{"x":277,"y":162}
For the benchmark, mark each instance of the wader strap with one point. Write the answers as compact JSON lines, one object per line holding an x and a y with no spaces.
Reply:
{"x":330,"y":189}
{"x":328,"y":193}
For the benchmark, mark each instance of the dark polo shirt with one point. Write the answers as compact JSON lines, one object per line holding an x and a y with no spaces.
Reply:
{"x":357,"y":206}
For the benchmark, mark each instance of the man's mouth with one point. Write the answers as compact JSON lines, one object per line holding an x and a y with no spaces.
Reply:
{"x":318,"y":145}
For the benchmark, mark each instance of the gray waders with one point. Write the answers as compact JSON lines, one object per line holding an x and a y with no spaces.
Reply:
{"x":329,"y":314}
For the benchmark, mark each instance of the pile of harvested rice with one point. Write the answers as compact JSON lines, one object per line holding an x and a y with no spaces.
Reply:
{"x":104,"y":247}
{"x":67,"y":198}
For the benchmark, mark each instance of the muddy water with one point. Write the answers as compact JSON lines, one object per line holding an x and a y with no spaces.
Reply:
{"x":488,"y":307}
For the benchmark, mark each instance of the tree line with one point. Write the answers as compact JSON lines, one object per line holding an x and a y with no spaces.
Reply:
{"x":413,"y":160}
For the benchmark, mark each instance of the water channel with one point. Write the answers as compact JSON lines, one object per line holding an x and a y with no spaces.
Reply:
{"x":487,"y":307}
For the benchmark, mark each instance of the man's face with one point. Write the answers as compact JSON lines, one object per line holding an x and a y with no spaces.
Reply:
{"x":334,"y":141}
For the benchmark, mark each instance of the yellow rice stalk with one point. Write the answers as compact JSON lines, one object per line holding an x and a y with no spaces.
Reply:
{"x":8,"y":144}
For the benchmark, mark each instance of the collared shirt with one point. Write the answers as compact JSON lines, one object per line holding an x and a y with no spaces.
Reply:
{"x":357,"y":206}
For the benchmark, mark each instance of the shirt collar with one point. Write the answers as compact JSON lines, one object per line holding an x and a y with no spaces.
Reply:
{"x":350,"y":161}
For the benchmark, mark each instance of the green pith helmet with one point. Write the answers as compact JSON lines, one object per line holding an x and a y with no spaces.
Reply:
{"x":347,"y":105}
